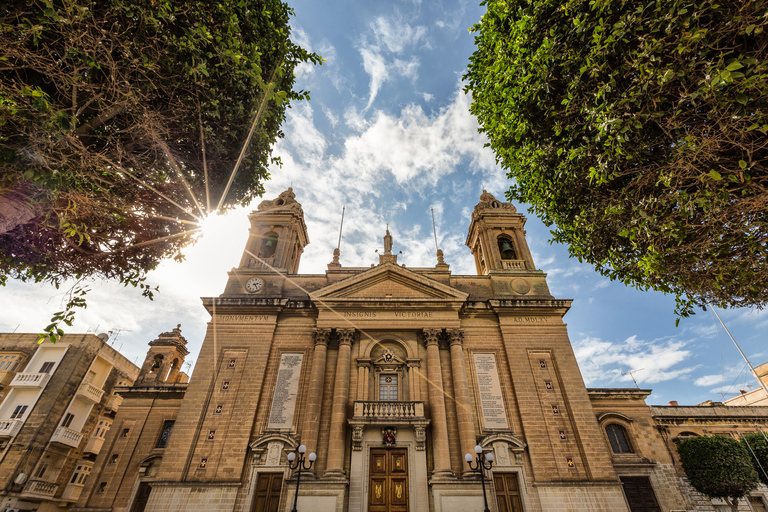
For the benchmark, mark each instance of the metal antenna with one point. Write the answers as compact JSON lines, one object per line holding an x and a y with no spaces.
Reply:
{"x":338,"y":246}
{"x":434,"y":229}
{"x":631,"y":374}
{"x":751,"y":368}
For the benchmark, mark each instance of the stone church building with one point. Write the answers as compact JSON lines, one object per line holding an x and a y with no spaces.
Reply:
{"x":390,"y":375}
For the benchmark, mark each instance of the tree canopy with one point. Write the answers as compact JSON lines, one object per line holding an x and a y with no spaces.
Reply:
{"x":757,"y":446}
{"x":639,"y":130}
{"x":122,"y":120}
{"x":718,"y":467}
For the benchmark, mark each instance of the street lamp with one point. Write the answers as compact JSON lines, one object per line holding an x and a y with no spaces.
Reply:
{"x":300,"y":465}
{"x":480,"y":465}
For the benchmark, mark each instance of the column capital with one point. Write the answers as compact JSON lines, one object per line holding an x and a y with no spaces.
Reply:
{"x":455,"y":336}
{"x":322,"y":336}
{"x":364,"y":363}
{"x":346,"y":336}
{"x":413,"y":363}
{"x":432,"y":336}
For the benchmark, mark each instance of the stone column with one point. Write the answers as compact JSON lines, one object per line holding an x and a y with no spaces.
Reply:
{"x":461,"y":392}
{"x":363,"y":368}
{"x":440,"y":448}
{"x":336,"y":444}
{"x":315,"y":394}
{"x":414,"y":380}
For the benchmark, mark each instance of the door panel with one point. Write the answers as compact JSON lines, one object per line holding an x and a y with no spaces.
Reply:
{"x":639,"y":493}
{"x":507,"y":492}
{"x":388,"y":480}
{"x":268,"y":490}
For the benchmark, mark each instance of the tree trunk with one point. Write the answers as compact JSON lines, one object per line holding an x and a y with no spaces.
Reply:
{"x":735,"y":505}
{"x":15,"y":210}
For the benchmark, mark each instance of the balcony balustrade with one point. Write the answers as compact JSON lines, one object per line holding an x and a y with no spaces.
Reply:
{"x":513,"y":264}
{"x":30,"y":380}
{"x":113,"y":403}
{"x":90,"y":392}
{"x":67,"y":437}
{"x":9,"y":428}
{"x":39,"y":489}
{"x":374,"y":410}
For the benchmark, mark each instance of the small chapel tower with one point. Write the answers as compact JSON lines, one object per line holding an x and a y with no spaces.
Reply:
{"x":277,"y":235}
{"x":497,"y":238}
{"x":164,"y":359}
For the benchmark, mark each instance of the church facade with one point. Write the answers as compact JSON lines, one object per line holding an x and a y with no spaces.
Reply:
{"x":390,"y":375}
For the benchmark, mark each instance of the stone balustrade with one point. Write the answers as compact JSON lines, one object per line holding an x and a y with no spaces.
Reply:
{"x":30,"y":380}
{"x":67,"y":437}
{"x":39,"y":489}
{"x":513,"y":264}
{"x":90,"y":392}
{"x":9,"y":428}
{"x":388,"y":410}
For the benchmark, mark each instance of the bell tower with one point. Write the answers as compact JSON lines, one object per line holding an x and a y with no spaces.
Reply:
{"x":497,"y":238}
{"x":164,"y":359}
{"x":277,"y":235}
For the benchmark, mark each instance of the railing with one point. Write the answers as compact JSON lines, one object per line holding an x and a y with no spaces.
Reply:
{"x":9,"y":428}
{"x":389,"y":410}
{"x":513,"y":264}
{"x":30,"y":380}
{"x":90,"y":392}
{"x":39,"y":489}
{"x":66,"y":436}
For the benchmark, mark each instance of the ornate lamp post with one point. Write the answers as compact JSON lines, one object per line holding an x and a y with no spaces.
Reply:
{"x":300,"y":465}
{"x":481,"y":465}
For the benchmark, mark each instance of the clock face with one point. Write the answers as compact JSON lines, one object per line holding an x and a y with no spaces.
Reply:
{"x":254,"y":285}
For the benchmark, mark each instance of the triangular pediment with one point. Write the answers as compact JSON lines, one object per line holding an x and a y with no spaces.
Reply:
{"x":389,"y":281}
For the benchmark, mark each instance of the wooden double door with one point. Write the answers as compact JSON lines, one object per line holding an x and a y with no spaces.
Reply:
{"x":269,"y":486}
{"x":507,"y":492}
{"x":388,"y":480}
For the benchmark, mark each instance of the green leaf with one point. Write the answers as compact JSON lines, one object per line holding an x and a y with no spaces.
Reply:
{"x":715,"y":175}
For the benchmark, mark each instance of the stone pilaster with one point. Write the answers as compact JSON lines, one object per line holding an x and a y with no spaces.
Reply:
{"x":315,"y":395}
{"x":336,"y":444}
{"x":440,"y":448}
{"x":461,"y":391}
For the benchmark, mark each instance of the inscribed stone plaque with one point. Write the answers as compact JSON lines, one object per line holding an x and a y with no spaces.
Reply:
{"x":489,"y":387}
{"x":286,"y":387}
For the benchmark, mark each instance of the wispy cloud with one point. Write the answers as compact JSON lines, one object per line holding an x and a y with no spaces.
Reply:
{"x":608,"y":363}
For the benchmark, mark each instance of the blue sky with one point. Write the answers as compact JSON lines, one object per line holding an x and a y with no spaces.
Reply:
{"x":388,"y":134}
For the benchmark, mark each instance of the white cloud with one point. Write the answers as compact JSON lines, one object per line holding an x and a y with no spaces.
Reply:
{"x":606,"y":363}
{"x":395,"y":34}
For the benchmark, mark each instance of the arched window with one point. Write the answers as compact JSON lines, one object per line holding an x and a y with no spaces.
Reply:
{"x":506,"y":248}
{"x":268,"y":245}
{"x":617,"y":436}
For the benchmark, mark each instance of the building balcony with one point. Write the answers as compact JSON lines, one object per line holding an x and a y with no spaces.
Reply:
{"x":90,"y":392}
{"x":39,"y":489}
{"x":94,"y":445}
{"x":72,"y":492}
{"x":388,"y":411}
{"x":30,"y":380}
{"x":370,"y":414}
{"x":6,"y":377}
{"x":113,"y":403}
{"x":9,"y":428}
{"x":67,"y":437}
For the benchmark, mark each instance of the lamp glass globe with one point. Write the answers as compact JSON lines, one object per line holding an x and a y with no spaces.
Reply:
{"x":312,"y":457}
{"x":478,"y":449}
{"x":489,"y":457}
{"x":468,"y":457}
{"x":291,"y":456}
{"x":302,"y":449}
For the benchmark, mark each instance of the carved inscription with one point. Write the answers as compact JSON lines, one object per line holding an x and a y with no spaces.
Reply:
{"x":243,"y":319}
{"x":286,"y":387}
{"x":529,"y":320}
{"x":489,"y":387}
{"x":389,"y":314}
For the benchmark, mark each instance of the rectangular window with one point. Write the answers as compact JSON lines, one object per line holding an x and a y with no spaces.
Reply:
{"x":18,"y":412}
{"x":113,"y":459}
{"x":165,"y":435}
{"x":46,"y":368}
{"x":219,"y":409}
{"x":67,"y":420}
{"x":125,"y":432}
{"x":388,"y":388}
{"x":102,"y":488}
